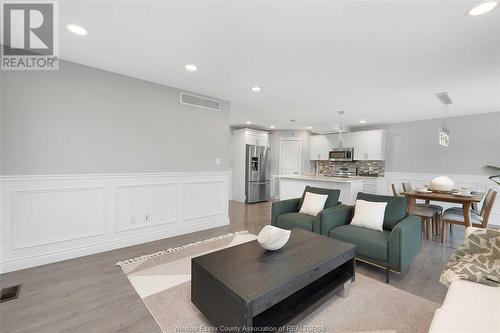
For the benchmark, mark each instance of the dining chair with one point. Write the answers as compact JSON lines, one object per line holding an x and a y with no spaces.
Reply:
{"x":455,"y":215}
{"x":427,"y":209}
{"x":426,"y":215}
{"x":395,"y":191}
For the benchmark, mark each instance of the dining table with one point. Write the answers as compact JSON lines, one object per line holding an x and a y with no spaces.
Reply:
{"x":467,"y":202}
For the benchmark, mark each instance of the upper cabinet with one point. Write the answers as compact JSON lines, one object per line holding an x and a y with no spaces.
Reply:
{"x":320,"y":147}
{"x":368,"y":145}
{"x":256,"y":138}
{"x":375,"y":146}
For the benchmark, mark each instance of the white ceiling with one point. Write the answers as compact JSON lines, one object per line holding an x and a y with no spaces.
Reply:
{"x":380,"y":61}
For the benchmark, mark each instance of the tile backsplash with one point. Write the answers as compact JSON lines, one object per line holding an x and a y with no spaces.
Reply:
{"x":325,"y":167}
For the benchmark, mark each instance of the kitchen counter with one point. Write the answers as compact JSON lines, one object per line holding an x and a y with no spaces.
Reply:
{"x":292,"y":186}
{"x":323,"y":178}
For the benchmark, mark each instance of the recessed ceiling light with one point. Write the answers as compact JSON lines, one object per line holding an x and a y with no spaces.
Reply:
{"x":362,"y":121}
{"x":256,"y":89}
{"x":191,"y":67}
{"x":76,"y":29}
{"x":248,"y":123}
{"x":271,"y":127}
{"x":483,"y":8}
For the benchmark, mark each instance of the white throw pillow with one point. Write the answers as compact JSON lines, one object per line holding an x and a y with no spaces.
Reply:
{"x":313,"y":203}
{"x":368,"y":214}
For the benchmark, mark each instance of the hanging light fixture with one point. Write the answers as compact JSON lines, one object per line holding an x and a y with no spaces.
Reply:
{"x":444,"y":132}
{"x":341,"y":128}
{"x":292,"y":126}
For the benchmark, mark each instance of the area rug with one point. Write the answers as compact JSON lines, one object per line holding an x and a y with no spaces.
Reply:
{"x":162,"y":280}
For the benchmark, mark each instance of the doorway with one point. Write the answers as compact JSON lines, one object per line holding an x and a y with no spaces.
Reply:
{"x":290,"y":156}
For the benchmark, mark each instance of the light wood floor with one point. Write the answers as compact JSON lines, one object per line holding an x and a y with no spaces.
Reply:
{"x":91,"y":294}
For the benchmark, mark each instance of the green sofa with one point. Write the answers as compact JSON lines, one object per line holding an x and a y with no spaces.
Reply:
{"x":285,"y":214}
{"x":392,"y":249}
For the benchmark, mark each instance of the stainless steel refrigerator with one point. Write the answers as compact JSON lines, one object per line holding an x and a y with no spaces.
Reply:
{"x":257,"y":175}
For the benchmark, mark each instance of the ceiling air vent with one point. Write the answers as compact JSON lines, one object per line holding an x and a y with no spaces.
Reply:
{"x":201,"y":102}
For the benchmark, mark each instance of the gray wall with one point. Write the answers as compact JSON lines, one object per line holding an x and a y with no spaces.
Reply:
{"x":84,"y":120}
{"x":474,"y":142}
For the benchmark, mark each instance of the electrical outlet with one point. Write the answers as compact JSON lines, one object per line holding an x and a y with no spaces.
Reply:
{"x":218,"y":161}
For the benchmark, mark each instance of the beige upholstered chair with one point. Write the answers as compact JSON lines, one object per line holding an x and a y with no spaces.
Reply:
{"x":428,"y":215}
{"x":427,"y":208}
{"x":479,"y":219}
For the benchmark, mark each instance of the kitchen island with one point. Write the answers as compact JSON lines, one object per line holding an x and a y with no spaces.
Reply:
{"x":292,"y":186}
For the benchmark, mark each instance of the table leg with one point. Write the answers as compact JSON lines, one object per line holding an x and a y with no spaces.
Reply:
{"x":444,"y":231}
{"x":467,"y":215}
{"x":429,"y":227}
{"x":411,"y":204}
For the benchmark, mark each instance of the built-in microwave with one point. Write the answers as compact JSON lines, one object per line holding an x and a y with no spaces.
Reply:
{"x":341,"y":154}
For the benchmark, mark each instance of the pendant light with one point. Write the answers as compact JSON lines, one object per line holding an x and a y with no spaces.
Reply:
{"x":341,"y":128}
{"x":444,"y":132}
{"x":292,"y":126}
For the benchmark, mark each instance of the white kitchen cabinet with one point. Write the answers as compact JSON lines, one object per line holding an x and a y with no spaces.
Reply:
{"x":264,"y":141}
{"x":374,"y":185}
{"x":370,"y":186}
{"x":347,"y":140}
{"x":256,"y":138}
{"x":375,"y":145}
{"x":334,"y":140}
{"x":359,"y":145}
{"x":368,"y":145}
{"x":319,"y":148}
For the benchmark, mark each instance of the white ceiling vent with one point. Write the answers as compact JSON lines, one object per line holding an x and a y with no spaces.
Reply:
{"x":201,"y":102}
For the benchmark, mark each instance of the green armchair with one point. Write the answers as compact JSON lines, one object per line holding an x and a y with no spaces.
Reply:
{"x":392,"y":249}
{"x":285,"y":214}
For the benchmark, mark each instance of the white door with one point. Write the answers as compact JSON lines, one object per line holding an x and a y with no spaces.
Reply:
{"x":290,"y":157}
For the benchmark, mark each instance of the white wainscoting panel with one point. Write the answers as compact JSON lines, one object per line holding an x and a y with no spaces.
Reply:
{"x":477,"y":182}
{"x":203,"y":199}
{"x":50,"y":218}
{"x":55,"y":215}
{"x":145,"y":205}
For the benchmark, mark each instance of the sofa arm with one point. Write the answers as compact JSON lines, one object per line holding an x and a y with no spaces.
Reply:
{"x":405,"y":242}
{"x":334,"y":217}
{"x":283,"y":207}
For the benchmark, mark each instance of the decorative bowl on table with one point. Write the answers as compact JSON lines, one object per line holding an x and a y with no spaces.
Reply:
{"x":442,"y":184}
{"x":273,"y":238}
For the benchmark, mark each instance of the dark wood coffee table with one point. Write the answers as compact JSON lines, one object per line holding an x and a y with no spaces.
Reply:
{"x":247,"y":286}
